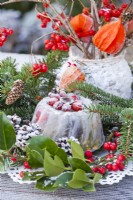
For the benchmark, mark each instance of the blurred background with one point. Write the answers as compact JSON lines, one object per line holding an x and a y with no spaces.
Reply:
{"x":21,"y":17}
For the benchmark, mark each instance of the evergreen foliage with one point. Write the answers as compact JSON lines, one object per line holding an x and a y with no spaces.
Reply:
{"x":34,"y":87}
{"x":95,"y":93}
{"x":126,"y":140}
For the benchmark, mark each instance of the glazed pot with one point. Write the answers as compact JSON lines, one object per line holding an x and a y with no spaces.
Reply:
{"x":112,"y":74}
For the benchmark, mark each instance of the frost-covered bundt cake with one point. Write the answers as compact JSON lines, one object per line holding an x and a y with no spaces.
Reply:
{"x":62,"y":114}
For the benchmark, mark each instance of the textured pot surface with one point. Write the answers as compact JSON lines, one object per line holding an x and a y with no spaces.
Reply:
{"x":82,"y":125}
{"x":112,"y":74}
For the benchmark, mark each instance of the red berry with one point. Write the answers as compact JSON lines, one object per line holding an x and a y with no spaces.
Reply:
{"x":109,"y":156}
{"x":45,"y":5}
{"x":101,"y":13}
{"x":26,"y":165}
{"x":91,"y":32}
{"x":116,"y":13}
{"x":109,"y":167}
{"x":3,"y":38}
{"x":21,"y":174}
{"x":43,"y":67}
{"x":88,"y":154}
{"x":52,"y":101}
{"x":106,"y":2}
{"x":86,"y":11}
{"x":38,"y":98}
{"x":95,"y":169}
{"x":107,"y":14}
{"x":118,"y":162}
{"x":106,"y":146}
{"x":9,"y":31}
{"x":54,"y":47}
{"x":13,"y":159}
{"x":77,"y":106}
{"x":112,"y":6}
{"x":120,"y":10}
{"x":107,"y":19}
{"x":113,"y":146}
{"x":121,"y":166}
{"x":121,"y":157}
{"x":58,"y":105}
{"x":124,"y":5}
{"x":1,"y":44}
{"x":102,"y":170}
{"x":57,"y":38}
{"x":115,"y":167}
{"x":117,"y":134}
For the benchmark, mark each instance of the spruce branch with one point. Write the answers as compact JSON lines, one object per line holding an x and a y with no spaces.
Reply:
{"x":126,"y":140}
{"x":95,"y":93}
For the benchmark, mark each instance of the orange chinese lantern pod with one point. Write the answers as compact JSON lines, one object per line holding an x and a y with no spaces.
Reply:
{"x":70,"y":75}
{"x":111,"y":37}
{"x":81,"y":24}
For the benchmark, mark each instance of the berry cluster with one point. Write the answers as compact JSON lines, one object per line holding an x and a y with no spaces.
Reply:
{"x":44,"y":19}
{"x":109,"y":10}
{"x":65,"y":102}
{"x":112,"y":163}
{"x":4,"y":33}
{"x":38,"y":68}
{"x":57,"y":42}
{"x":110,"y":146}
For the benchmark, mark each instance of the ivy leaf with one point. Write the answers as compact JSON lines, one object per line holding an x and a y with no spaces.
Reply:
{"x":43,"y":142}
{"x":62,"y":155}
{"x":53,"y":167}
{"x":79,"y":180}
{"x":7,"y":133}
{"x":35,"y":158}
{"x":97,"y":177}
{"x":77,"y":163}
{"x":89,"y":188}
{"x":77,"y":151}
{"x":63,"y":179}
{"x":46,"y":184}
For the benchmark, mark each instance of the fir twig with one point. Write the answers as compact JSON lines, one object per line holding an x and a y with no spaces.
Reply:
{"x":95,"y":93}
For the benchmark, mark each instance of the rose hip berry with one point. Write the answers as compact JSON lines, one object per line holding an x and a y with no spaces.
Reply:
{"x":102,"y":170}
{"x":121,"y":157}
{"x":88,"y":154}
{"x":109,"y":167}
{"x":26,"y":165}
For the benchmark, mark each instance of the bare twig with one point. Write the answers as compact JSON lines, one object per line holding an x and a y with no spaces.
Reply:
{"x":16,"y":1}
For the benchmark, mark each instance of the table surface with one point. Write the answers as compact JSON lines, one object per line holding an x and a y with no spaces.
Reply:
{"x":10,"y":190}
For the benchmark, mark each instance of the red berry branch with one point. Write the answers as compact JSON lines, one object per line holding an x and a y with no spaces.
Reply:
{"x":4,"y":33}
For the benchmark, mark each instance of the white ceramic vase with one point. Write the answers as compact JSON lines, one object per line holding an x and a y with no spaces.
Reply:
{"x":111,"y":74}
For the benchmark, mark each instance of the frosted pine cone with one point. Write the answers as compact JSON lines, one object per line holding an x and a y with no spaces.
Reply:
{"x":15,"y":120}
{"x":26,"y":132}
{"x":64,"y":144}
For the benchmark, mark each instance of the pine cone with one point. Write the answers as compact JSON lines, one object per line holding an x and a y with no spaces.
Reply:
{"x":64,"y":144}
{"x":16,"y":92}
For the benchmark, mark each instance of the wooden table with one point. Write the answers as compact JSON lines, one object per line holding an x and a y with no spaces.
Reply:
{"x":15,"y":191}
